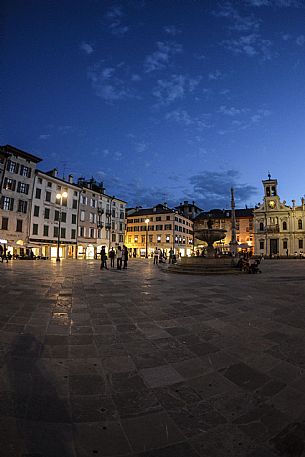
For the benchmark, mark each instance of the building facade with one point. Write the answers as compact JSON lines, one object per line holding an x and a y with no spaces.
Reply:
{"x":279,"y":228}
{"x":17,"y":181}
{"x":54,"y":220}
{"x":159,"y":227}
{"x":222,"y":219}
{"x":189,"y":210}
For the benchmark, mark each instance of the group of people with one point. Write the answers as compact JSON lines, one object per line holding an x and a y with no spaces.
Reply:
{"x":121,"y":256}
{"x":161,"y":257}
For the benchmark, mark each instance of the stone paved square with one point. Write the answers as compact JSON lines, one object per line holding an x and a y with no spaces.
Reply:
{"x":143,"y":363}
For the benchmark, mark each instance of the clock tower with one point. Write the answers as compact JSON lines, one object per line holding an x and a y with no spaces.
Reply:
{"x":271,"y":197}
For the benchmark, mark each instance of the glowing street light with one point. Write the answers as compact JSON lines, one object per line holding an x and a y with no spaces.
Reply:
{"x":59,"y":197}
{"x":146,"y":222}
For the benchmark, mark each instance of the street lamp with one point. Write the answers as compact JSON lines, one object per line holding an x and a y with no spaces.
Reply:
{"x":59,"y":197}
{"x":146,"y":222}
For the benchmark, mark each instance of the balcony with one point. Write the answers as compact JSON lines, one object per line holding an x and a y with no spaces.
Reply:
{"x":272,"y":228}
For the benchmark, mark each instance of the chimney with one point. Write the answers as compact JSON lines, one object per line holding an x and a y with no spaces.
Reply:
{"x":54,"y":172}
{"x":165,"y":204}
{"x":186,"y":202}
{"x":70,"y":179}
{"x":293,"y":204}
{"x":303,"y":203}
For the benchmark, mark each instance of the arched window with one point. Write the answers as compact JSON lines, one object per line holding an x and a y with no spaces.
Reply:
{"x":261,"y":226}
{"x":300,"y":225}
{"x":284,"y":225}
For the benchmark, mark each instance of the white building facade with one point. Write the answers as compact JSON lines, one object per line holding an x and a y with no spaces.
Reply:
{"x":279,"y":229}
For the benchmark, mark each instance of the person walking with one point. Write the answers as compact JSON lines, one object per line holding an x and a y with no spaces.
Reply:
{"x":171,"y":253}
{"x":119,"y":258}
{"x":156,"y":256}
{"x":125,"y":257}
{"x":112,"y":257}
{"x":103,"y":259}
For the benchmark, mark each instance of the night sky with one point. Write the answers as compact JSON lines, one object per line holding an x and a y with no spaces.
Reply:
{"x":166,"y":100}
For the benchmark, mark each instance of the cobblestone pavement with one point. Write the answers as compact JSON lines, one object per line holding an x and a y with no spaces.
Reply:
{"x":150,"y":364}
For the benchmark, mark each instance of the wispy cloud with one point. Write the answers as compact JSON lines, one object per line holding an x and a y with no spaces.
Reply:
{"x":87,"y":48}
{"x":276,"y":3}
{"x":160,"y":59}
{"x":169,"y":90}
{"x":212,"y":189}
{"x":300,"y":41}
{"x":171,"y":30}
{"x":44,"y":136}
{"x":239,"y":22}
{"x":110,"y":83}
{"x":231,"y":110}
{"x":114,"y":16}
{"x":250,"y":45}
{"x":215,"y":75}
{"x":182,"y":117}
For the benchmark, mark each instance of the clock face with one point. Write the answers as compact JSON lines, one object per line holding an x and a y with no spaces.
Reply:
{"x":271,"y":203}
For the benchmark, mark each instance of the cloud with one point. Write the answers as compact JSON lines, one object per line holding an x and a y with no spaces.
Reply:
{"x":231,"y":110}
{"x":182,"y":117}
{"x":250,"y":45}
{"x":87,"y":48}
{"x":110,"y":83}
{"x":171,"y":30}
{"x":114,"y":17}
{"x":276,"y":3}
{"x":170,"y":90}
{"x":44,"y":136}
{"x":211,"y":189}
{"x":215,"y":75}
{"x":239,"y":22}
{"x":160,"y":59}
{"x":300,"y":41}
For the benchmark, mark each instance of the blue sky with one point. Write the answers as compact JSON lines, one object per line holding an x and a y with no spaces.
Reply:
{"x":166,"y":100}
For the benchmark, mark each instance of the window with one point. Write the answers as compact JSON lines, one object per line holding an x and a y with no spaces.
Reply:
{"x":22,"y":206}
{"x":91,"y":217}
{"x":114,"y":237}
{"x":284,"y":226}
{"x":9,"y":184}
{"x":45,"y":230}
{"x":261,"y":227}
{"x":159,"y":227}
{"x":47,"y":213}
{"x":158,"y":238}
{"x":168,"y":218}
{"x":121,"y":238}
{"x":12,"y":167}
{"x":285,"y":244}
{"x":122,"y":216}
{"x":91,"y":232}
{"x":81,"y":231}
{"x":55,"y":232}
{"x":121,"y":227}
{"x":158,"y":218}
{"x":56,"y":215}
{"x":300,"y":224}
{"x":113,"y":213}
{"x":36,"y":211}
{"x":83,"y":200}
{"x":261,"y":245}
{"x":167,"y":226}
{"x":23,"y":188}
{"x":135,"y":239}
{"x":4,"y":225}
{"x":63,"y":217}
{"x":74,"y":204}
{"x":35,"y":229}
{"x":129,"y":239}
{"x":73,"y":234}
{"x":150,"y":238}
{"x":82,"y":215}
{"x":63,"y":232}
{"x":48,"y":196}
{"x":25,"y":171}
{"x":49,"y":184}
{"x":73,"y":221}
{"x":7,"y":203}
{"x":300,"y":244}
{"x":40,"y":180}
{"x":19,"y":225}
{"x":142,"y":239}
{"x":38,"y":193}
{"x":75,"y":193}
{"x":167,"y":238}
{"x":64,"y":201}
{"x":93,"y":203}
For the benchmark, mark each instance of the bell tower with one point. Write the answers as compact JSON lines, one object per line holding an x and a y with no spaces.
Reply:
{"x":271,"y":197}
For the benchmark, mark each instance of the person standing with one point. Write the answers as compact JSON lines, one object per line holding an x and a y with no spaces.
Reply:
{"x":125,"y":256}
{"x":156,"y":256}
{"x":119,"y":258}
{"x":103,"y":258}
{"x":112,"y":257}
{"x":171,"y":253}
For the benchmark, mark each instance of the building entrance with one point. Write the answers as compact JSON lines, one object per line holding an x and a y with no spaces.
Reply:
{"x":274,"y":246}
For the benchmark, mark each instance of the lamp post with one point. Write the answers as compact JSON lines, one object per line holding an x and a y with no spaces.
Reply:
{"x":59,"y":197}
{"x":146,"y":222}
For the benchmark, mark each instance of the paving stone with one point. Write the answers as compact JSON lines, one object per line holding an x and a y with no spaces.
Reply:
{"x":245,"y":376}
{"x":163,"y":375}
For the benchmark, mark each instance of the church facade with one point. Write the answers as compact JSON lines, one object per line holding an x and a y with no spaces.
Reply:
{"x":279,"y":229}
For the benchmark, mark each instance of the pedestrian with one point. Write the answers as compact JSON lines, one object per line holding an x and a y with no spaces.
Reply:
{"x":112,"y":257}
{"x":125,"y":257}
{"x":119,"y":258}
{"x":287,"y":252}
{"x":171,"y":253}
{"x":156,"y":256}
{"x":103,"y":259}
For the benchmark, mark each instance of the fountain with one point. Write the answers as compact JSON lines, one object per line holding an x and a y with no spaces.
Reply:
{"x":209,"y":235}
